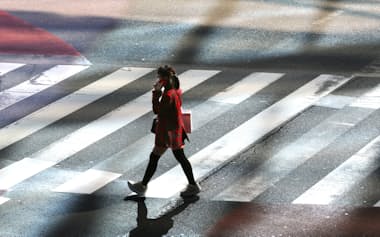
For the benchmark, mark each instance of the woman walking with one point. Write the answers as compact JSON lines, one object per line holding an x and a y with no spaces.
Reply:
{"x":170,"y":132}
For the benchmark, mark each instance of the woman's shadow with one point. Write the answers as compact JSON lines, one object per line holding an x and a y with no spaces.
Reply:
{"x":159,"y":226}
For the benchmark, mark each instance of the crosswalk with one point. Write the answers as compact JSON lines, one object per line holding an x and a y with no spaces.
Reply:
{"x":342,"y":178}
{"x":297,"y":153}
{"x":37,"y":84}
{"x":210,"y":155}
{"x":206,"y":112}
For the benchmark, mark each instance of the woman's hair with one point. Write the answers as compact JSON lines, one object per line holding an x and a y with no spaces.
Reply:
{"x":165,"y":71}
{"x":169,"y":73}
{"x":175,"y":82}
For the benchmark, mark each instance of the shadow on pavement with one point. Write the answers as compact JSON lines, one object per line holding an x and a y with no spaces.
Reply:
{"x":191,"y":42}
{"x":77,"y":216}
{"x":157,"y":226}
{"x":250,"y":219}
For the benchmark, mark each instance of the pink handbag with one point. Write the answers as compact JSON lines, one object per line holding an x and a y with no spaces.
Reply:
{"x":186,"y":117}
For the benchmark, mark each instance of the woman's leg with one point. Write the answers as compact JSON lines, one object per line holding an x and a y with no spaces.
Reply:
{"x":185,"y":164}
{"x":152,"y":165}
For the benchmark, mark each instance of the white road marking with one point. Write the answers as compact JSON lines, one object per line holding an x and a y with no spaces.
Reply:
{"x":243,"y":89}
{"x":3,"y":200}
{"x":234,"y":94}
{"x":20,"y":170}
{"x":8,"y":67}
{"x":37,"y":84}
{"x":87,"y":182}
{"x":341,"y":180}
{"x":67,"y":105}
{"x":370,"y":100}
{"x":224,"y":149}
{"x":335,"y":101}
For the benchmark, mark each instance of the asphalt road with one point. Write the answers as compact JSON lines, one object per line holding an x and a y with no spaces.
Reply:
{"x":255,"y":192}
{"x":340,"y":36}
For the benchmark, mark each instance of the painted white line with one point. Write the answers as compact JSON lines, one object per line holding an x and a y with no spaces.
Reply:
{"x":244,"y":88}
{"x":138,"y":152}
{"x":289,"y":158}
{"x":335,"y":101}
{"x":3,"y":200}
{"x":94,"y":131}
{"x":8,"y":67}
{"x":37,"y":84}
{"x":224,"y":149}
{"x":370,"y":100}
{"x":20,"y":170}
{"x":342,"y":179}
{"x":68,"y":104}
{"x":87,"y":182}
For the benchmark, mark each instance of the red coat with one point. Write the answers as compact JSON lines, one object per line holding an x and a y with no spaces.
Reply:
{"x":170,"y":131}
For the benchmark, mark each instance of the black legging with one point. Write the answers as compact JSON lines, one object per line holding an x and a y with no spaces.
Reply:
{"x":180,"y":157}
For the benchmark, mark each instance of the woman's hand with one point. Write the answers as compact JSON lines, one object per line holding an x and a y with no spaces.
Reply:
{"x":157,"y":86}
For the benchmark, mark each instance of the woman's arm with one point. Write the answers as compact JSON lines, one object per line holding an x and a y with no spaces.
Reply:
{"x":168,"y":111}
{"x":156,"y":94}
{"x":165,"y":107}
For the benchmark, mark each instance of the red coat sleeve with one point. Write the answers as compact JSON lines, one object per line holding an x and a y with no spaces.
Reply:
{"x":179,"y":93}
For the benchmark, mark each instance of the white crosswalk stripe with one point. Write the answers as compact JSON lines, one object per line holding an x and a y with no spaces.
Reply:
{"x":205,"y":112}
{"x":335,"y":101}
{"x":67,"y":105}
{"x":3,"y":200}
{"x":18,"y":171}
{"x":369,"y":100}
{"x":94,"y":131}
{"x":88,"y":182}
{"x":37,"y":84}
{"x":7,"y":67}
{"x":243,"y":89}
